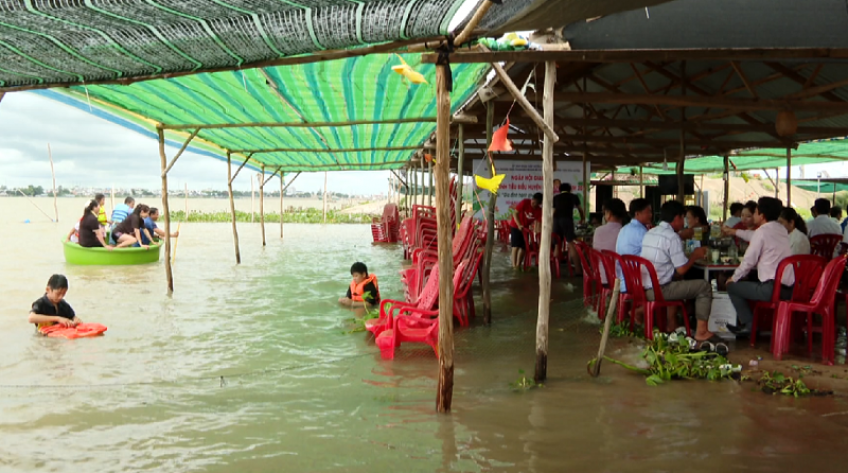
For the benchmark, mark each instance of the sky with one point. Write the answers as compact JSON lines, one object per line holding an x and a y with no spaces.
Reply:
{"x":89,"y":151}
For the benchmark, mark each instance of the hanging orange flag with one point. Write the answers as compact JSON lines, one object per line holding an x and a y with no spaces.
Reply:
{"x":499,"y":139}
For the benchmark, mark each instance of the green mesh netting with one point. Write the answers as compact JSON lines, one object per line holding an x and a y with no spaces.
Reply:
{"x":73,"y":41}
{"x":816,"y":152}
{"x":354,"y":89}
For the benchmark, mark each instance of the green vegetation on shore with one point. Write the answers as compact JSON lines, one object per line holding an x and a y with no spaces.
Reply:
{"x":304,"y":216}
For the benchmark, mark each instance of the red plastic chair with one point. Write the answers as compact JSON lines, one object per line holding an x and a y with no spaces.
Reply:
{"x":591,"y":278}
{"x":605,"y":266}
{"x":807,"y":269}
{"x":633,"y":265}
{"x":624,"y":297}
{"x":463,"y":300}
{"x":532,"y":243}
{"x":822,"y":303}
{"x":423,"y":306}
{"x":825,"y":245}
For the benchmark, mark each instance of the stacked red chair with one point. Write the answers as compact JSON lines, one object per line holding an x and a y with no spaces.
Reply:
{"x":387,"y":229}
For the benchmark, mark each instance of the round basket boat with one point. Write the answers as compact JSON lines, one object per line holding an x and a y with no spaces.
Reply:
{"x":75,"y":254}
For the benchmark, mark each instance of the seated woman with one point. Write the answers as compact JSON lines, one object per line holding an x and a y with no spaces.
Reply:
{"x":798,"y":241}
{"x":129,"y":231}
{"x":90,"y":235}
{"x":748,"y":212}
{"x":696,"y":218}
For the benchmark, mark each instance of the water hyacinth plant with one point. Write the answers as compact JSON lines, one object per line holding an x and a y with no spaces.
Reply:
{"x":304,"y":216}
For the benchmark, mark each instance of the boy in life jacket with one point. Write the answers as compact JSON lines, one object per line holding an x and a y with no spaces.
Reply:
{"x":363,"y":288}
{"x":52,"y":307}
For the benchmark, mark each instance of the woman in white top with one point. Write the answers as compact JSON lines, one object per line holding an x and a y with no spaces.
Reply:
{"x":797,"y":229}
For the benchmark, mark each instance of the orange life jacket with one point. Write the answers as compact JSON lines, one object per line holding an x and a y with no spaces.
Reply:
{"x":357,"y":290}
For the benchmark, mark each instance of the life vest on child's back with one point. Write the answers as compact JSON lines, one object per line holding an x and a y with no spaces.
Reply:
{"x":357,"y":290}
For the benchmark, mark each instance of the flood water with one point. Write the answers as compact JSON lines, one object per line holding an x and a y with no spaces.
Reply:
{"x":247,"y":369}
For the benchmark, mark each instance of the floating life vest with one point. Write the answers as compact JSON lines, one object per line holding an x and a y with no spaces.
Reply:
{"x":80,"y":331}
{"x":357,"y":290}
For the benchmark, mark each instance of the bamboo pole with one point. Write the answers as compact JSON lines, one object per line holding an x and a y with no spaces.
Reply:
{"x":180,"y":152}
{"x":726,"y":187}
{"x":324,"y":196}
{"x":233,"y":206}
{"x":641,"y":184}
{"x":53,"y":173}
{"x":252,"y":214}
{"x":459,"y":169}
{"x":431,"y":191}
{"x":490,"y":227}
{"x":445,"y":237}
{"x":777,"y":185}
{"x":788,"y":176}
{"x":112,"y":196}
{"x":616,"y":290}
{"x":544,"y":259}
{"x":166,"y":211}
{"x":282,"y":211}
{"x":262,"y":203}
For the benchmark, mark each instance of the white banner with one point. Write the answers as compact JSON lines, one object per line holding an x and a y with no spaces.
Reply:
{"x":523,"y":179}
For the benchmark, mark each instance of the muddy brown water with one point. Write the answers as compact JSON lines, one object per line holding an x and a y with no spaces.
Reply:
{"x":247,"y":369}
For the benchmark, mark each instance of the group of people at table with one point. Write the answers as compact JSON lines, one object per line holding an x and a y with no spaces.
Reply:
{"x":770,"y":231}
{"x":131,"y":225}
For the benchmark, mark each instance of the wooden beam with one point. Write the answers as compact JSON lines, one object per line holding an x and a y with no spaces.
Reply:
{"x":180,"y":152}
{"x":166,"y":210}
{"x":272,"y":175}
{"x":736,"y":67}
{"x":445,"y":242}
{"x":239,"y":168}
{"x":230,"y":178}
{"x":789,"y":177}
{"x":544,"y":258}
{"x":282,"y":209}
{"x":466,"y":32}
{"x":700,"y":101}
{"x":522,"y":101}
{"x":211,"y":126}
{"x":726,"y":188}
{"x":325,"y":150}
{"x":402,"y":180}
{"x":460,"y":159}
{"x":640,"y":55}
{"x":688,"y":125}
{"x":291,"y":182}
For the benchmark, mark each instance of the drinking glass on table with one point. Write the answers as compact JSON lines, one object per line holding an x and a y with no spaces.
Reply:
{"x":715,"y":254}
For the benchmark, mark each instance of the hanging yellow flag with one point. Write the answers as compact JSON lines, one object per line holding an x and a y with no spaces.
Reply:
{"x":411,"y":74}
{"x":491,"y":184}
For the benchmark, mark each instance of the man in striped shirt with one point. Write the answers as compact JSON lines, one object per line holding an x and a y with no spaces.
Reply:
{"x":663,"y":247}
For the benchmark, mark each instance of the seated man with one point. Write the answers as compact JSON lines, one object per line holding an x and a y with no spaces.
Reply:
{"x":155,"y":231}
{"x":629,"y":240}
{"x":822,"y":224}
{"x":663,"y":247}
{"x":769,"y":246}
{"x":120,"y":213}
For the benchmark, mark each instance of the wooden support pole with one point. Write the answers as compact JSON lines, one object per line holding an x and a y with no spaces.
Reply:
{"x":166,"y":211}
{"x":324,"y":195}
{"x":524,"y":103}
{"x":681,"y":164}
{"x":53,"y":174}
{"x":233,"y":205}
{"x":273,"y":174}
{"x":239,"y":169}
{"x":490,"y":228}
{"x":459,"y":165}
{"x":641,"y":184}
{"x":282,"y":211}
{"x":262,"y":203}
{"x":544,"y":260}
{"x":777,"y":183}
{"x":616,"y":290}
{"x":445,"y":241}
{"x":180,"y":152}
{"x":788,"y":176}
{"x":726,"y":187}
{"x":252,"y":192}
{"x":430,"y":191}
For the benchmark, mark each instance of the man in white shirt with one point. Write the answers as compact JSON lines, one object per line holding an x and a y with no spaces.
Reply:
{"x":769,"y":246}
{"x":823,"y":224}
{"x":663,"y":247}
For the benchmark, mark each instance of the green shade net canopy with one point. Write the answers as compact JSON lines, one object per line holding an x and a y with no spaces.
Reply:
{"x":63,"y":42}
{"x":399,"y":116}
{"x":816,"y":152}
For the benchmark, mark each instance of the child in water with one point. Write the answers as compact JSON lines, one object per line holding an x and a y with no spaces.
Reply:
{"x":363,"y":288}
{"x":52,"y":308}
